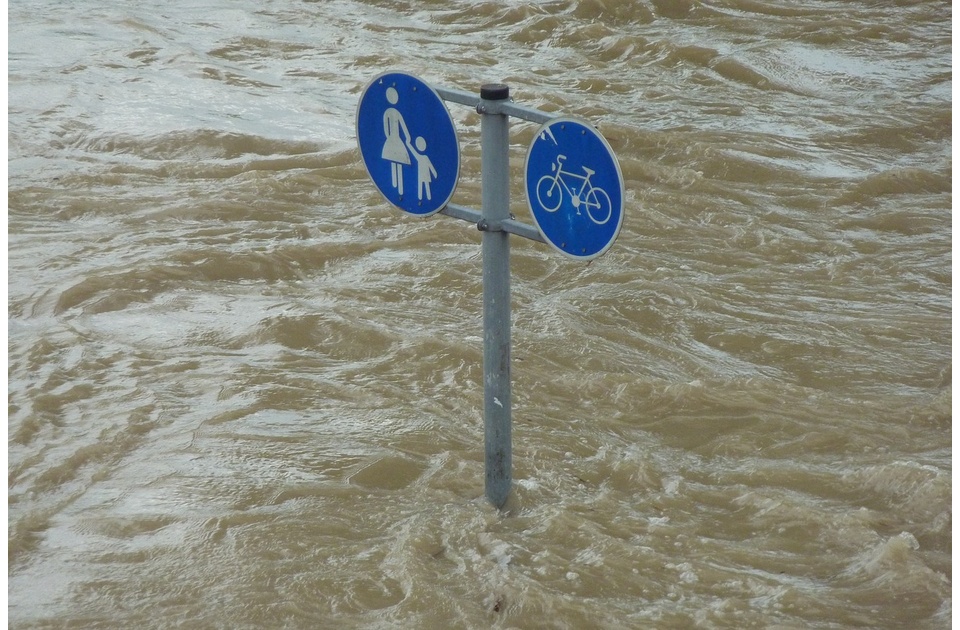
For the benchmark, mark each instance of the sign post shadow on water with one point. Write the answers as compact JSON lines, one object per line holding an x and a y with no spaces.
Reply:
{"x":574,"y":188}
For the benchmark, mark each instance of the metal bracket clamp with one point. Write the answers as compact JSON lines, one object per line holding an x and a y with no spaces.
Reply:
{"x":493,"y":106}
{"x":510,"y":225}
{"x":485,"y":225}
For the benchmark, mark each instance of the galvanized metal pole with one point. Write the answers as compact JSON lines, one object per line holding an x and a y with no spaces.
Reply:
{"x":495,"y":208}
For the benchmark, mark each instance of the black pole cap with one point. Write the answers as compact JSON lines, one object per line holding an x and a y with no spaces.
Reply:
{"x":495,"y":91}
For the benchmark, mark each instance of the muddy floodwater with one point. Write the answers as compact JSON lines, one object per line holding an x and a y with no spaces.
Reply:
{"x":246,"y":392}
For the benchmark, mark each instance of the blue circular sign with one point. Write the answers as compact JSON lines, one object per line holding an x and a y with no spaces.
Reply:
{"x":574,"y":188}
{"x":408,"y":143}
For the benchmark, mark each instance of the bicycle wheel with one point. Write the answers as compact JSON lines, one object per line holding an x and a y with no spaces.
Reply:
{"x":598,"y":205}
{"x":549,"y":193}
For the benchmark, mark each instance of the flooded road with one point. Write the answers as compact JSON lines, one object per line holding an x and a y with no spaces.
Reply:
{"x":245,"y":392}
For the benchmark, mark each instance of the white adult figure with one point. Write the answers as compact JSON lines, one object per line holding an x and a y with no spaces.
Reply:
{"x":394,"y":149}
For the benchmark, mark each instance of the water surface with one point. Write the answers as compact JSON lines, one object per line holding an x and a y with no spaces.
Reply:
{"x":243,"y":391}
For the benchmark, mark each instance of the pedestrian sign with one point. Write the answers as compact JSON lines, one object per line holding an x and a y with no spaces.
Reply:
{"x":574,"y":188}
{"x":408,"y":143}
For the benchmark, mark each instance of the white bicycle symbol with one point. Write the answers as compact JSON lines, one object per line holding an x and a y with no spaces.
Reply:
{"x":594,"y":199}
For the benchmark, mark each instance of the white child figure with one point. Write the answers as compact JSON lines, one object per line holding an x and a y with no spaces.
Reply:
{"x":425,"y":170}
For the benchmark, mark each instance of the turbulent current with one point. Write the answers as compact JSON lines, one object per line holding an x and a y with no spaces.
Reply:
{"x":246,"y":392}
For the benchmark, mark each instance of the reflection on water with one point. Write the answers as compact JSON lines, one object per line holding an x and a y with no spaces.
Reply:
{"x":244,"y":391}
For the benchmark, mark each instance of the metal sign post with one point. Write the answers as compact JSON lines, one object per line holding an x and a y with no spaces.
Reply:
{"x":576,"y":201}
{"x":495,"y":207}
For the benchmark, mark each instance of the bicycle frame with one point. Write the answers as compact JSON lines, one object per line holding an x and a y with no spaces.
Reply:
{"x":595,"y":200}
{"x":578,"y":197}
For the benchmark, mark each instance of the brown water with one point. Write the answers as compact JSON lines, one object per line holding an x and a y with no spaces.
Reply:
{"x":244,"y":392}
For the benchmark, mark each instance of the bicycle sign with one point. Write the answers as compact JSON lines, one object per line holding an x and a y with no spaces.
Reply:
{"x":595,"y":201}
{"x":574,"y":188}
